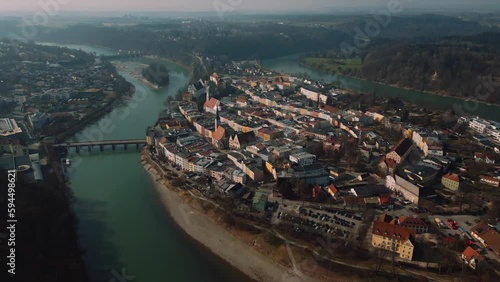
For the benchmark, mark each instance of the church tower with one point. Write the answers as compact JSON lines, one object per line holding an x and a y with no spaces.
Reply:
{"x":207,"y":89}
{"x":217,"y":118}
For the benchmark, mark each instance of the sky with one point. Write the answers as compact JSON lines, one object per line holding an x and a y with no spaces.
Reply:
{"x":244,"y":5}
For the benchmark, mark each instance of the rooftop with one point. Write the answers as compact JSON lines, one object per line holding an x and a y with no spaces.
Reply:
{"x":392,"y":231}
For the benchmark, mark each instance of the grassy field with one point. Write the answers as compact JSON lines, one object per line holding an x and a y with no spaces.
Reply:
{"x":332,"y":65}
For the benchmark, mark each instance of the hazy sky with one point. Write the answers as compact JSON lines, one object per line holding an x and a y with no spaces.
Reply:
{"x":243,"y":5}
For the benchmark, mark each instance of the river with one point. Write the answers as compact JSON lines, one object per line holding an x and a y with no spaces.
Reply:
{"x":122,"y":225}
{"x":291,"y":65}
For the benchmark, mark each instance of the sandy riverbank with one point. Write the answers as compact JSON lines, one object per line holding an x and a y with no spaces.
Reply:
{"x":213,"y":236}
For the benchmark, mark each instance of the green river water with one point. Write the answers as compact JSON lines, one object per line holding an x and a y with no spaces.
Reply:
{"x":122,"y":223}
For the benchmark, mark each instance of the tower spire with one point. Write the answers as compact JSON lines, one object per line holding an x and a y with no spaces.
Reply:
{"x":217,"y":117}
{"x":207,"y":89}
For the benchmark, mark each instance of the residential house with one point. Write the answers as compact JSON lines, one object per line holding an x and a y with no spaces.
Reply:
{"x":471,"y":257}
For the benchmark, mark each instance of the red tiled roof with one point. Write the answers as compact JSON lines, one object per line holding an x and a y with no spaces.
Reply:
{"x":469,"y":253}
{"x":452,"y":177}
{"x":219,"y":133}
{"x":333,"y":188}
{"x":212,"y":103}
{"x":392,"y":231}
{"x":403,"y":220}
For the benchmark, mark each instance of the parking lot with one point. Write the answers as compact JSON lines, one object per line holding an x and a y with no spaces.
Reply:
{"x":323,"y":221}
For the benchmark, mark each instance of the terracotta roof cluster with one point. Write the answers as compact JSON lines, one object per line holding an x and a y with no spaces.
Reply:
{"x":392,"y":231}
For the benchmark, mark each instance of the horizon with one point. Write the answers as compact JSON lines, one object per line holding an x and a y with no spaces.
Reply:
{"x":243,"y":6}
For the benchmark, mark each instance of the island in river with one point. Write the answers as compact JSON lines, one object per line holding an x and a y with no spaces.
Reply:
{"x":156,"y":74}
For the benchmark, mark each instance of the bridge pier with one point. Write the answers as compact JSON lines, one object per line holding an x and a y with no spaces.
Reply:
{"x":113,"y":146}
{"x":89,"y":148}
{"x":77,"y":149}
{"x":125,"y":146}
{"x":101,"y":148}
{"x":137,"y":146}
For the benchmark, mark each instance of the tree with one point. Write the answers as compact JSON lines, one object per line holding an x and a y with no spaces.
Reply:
{"x":285,"y":190}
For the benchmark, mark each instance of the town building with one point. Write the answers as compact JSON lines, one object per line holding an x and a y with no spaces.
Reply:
{"x":414,"y":223}
{"x":451,"y":181}
{"x":303,"y":158}
{"x":487,"y":235}
{"x":211,"y":106}
{"x":400,"y":151}
{"x":394,"y":238}
{"x":471,"y":257}
{"x":488,"y":180}
{"x":241,"y":140}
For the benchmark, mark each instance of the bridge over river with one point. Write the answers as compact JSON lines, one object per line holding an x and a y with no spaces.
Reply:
{"x":101,"y":144}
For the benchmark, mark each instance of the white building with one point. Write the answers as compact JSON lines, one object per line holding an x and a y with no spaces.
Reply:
{"x":484,"y":126}
{"x":313,"y":95}
{"x":303,"y":158}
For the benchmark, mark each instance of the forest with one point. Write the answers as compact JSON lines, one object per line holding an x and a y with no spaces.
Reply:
{"x":466,"y":67}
